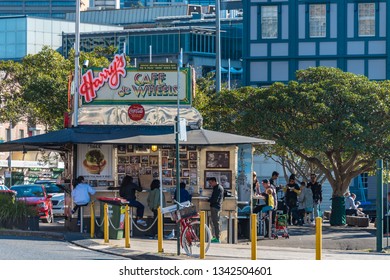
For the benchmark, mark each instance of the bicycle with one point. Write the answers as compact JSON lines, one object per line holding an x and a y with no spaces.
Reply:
{"x":188,"y":218}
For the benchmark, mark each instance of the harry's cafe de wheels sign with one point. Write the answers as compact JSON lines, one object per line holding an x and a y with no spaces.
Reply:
{"x":148,"y":84}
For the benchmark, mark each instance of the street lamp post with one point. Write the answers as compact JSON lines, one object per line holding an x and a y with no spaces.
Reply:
{"x":218,"y":46}
{"x":76,"y":65}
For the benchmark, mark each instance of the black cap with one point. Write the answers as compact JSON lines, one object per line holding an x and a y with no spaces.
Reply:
{"x":266,"y":181}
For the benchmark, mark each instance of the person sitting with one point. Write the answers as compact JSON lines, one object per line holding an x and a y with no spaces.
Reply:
{"x":127,"y":191}
{"x":184,"y":194}
{"x":352,"y":207}
{"x":268,"y":197}
{"x":81,"y":195}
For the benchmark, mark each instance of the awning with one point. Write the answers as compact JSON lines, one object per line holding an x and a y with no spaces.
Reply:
{"x":134,"y":134}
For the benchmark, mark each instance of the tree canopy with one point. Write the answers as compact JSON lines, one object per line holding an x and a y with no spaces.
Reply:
{"x":336,"y":120}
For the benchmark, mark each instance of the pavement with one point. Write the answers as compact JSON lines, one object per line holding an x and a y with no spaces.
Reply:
{"x":338,"y":243}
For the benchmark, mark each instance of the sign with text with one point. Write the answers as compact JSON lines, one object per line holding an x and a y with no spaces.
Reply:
{"x":94,"y":161}
{"x":148,"y":84}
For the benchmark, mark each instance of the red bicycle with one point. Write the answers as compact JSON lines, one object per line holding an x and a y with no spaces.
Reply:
{"x":190,"y":228}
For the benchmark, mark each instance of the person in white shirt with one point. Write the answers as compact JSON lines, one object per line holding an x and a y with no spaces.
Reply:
{"x":81,"y":195}
{"x":352,"y":207}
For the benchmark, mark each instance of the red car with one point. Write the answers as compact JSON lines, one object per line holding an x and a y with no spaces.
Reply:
{"x":36,"y":195}
{"x":6,"y":190}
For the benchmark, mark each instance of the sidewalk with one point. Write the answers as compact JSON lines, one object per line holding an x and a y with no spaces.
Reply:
{"x":339,"y":243}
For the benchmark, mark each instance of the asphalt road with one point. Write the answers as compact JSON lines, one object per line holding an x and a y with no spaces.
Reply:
{"x":35,"y":248}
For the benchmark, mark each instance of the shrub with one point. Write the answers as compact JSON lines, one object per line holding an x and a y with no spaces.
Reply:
{"x":14,"y":214}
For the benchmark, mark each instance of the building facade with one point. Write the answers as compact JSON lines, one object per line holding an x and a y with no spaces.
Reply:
{"x":284,"y":36}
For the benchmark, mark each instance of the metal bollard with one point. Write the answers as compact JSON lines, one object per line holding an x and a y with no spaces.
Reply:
{"x":127,"y":227}
{"x":92,"y":220}
{"x":254,"y":236}
{"x":318,"y":238}
{"x":160,"y":230}
{"x":106,"y":226}
{"x":202,"y":234}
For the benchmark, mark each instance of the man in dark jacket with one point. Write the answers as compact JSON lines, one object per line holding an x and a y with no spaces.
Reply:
{"x":316,"y":188}
{"x":215,"y":200}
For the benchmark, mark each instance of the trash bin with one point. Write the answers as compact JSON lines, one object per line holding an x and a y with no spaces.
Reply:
{"x":116,"y":214}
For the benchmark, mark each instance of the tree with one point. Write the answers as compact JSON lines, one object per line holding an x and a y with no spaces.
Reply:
{"x":336,"y":120}
{"x":11,"y":101}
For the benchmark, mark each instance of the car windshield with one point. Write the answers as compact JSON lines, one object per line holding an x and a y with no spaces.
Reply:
{"x":29,"y":191}
{"x":52,"y":188}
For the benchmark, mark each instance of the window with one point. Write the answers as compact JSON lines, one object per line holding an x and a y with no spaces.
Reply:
{"x":21,"y":133}
{"x":366,"y":19}
{"x":317,"y":20}
{"x":269,"y":22}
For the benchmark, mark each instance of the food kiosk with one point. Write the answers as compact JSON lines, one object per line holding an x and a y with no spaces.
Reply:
{"x":126,"y":126}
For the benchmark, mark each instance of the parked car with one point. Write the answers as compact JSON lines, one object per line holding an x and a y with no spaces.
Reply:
{"x":37,"y":196}
{"x":51,"y":186}
{"x":6,"y":190}
{"x":58,"y":201}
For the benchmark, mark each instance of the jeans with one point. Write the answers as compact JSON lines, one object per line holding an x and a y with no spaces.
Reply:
{"x":215,"y":214}
{"x":139,"y":206}
{"x":316,"y":210}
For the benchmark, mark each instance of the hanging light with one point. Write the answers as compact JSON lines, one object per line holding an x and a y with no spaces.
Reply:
{"x":154,"y":148}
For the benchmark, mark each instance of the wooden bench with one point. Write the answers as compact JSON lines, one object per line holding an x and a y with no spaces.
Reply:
{"x":358,"y":221}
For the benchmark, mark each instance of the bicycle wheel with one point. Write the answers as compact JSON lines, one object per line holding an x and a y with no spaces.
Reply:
{"x":190,"y":238}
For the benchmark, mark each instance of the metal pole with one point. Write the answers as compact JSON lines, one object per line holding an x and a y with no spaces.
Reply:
{"x":202,"y":234}
{"x":76,"y":65}
{"x":318,"y":238}
{"x":150,"y":53}
{"x":253,"y":236}
{"x":10,"y":156}
{"x":179,"y":65}
{"x":218,"y":47}
{"x":127,"y":227}
{"x":229,"y":74}
{"x":92,"y":210}
{"x":379,"y":205}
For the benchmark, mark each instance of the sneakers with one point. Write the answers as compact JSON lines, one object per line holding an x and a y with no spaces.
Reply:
{"x":215,"y":240}
{"x":142,"y":222}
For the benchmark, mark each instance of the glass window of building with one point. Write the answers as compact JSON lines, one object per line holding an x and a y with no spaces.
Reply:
{"x":366,"y":19}
{"x":21,"y":133}
{"x":317,"y":20}
{"x":269,"y":22}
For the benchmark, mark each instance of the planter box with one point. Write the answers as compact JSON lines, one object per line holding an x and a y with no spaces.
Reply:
{"x":358,"y":221}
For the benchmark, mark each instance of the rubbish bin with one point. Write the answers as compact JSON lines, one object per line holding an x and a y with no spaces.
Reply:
{"x":116,"y":216}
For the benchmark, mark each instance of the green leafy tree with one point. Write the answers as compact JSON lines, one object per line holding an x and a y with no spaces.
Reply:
{"x":11,"y":98}
{"x":335,"y":120}
{"x":327,"y":121}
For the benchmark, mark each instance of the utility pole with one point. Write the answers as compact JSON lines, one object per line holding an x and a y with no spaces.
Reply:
{"x":76,"y":65}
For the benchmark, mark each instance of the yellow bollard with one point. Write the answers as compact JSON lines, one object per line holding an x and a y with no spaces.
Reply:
{"x":254,"y":236}
{"x":92,"y":219}
{"x":202,"y":234}
{"x":105,"y":224}
{"x":160,"y":230}
{"x":127,"y":227}
{"x":318,"y":238}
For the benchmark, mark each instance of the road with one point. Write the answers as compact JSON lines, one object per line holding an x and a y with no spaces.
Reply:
{"x":35,"y":248}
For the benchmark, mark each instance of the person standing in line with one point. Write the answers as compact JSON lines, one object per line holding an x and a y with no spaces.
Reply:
{"x":272,"y":181}
{"x":127,"y":191}
{"x":154,"y":202}
{"x":215,"y":200}
{"x":292,"y":191}
{"x":81,"y":196}
{"x":316,"y":188}
{"x":305,"y":207}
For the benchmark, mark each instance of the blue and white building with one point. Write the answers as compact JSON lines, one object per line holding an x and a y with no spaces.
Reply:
{"x":281,"y":37}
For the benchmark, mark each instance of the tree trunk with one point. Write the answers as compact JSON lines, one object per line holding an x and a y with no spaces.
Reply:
{"x":337,"y":217}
